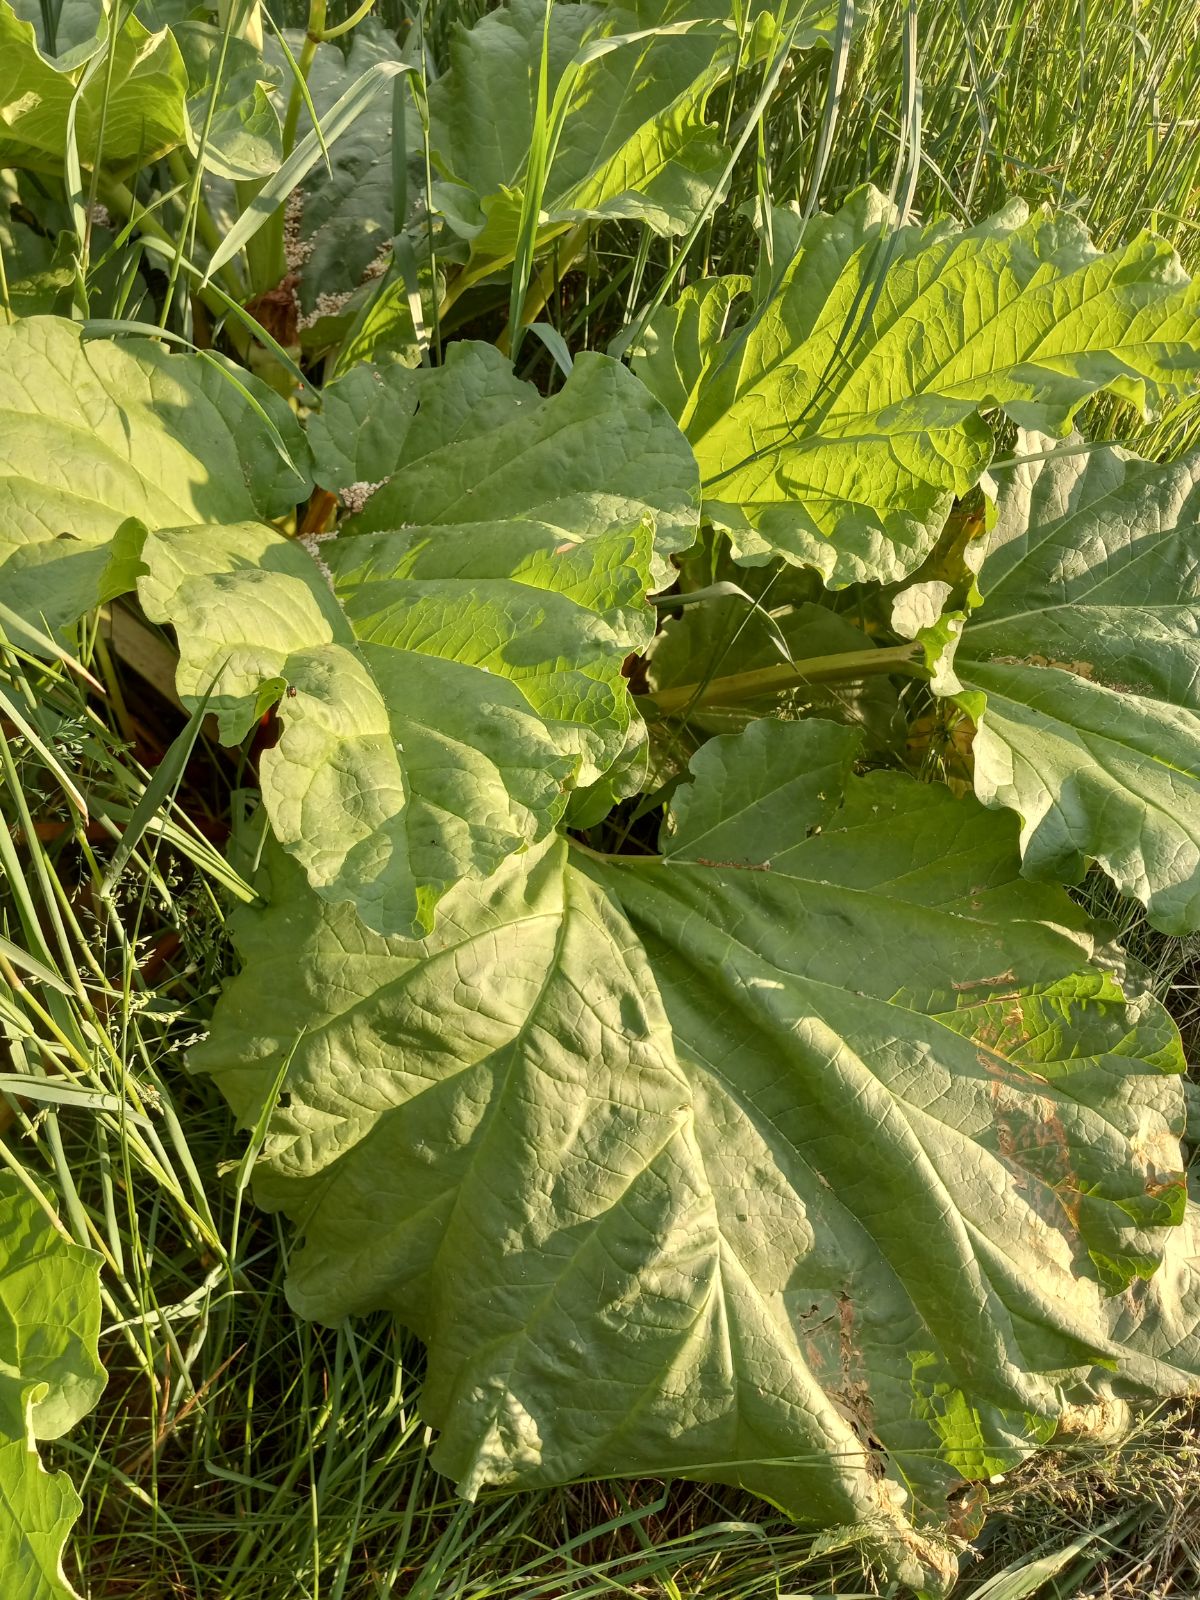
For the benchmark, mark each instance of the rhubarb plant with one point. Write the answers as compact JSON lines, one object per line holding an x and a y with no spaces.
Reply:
{"x":1080,"y":669}
{"x":663,"y":994}
{"x":836,"y":417}
{"x":50,"y":1377}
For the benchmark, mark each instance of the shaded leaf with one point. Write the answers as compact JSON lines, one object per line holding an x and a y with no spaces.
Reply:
{"x":813,"y":1179}
{"x":767,"y":802}
{"x":243,"y":133}
{"x":69,"y":34}
{"x":1082,"y":667}
{"x":634,"y":141}
{"x":140,"y":101}
{"x":381,"y":326}
{"x":429,"y":444}
{"x":345,"y":212}
{"x":50,"y":1377}
{"x":734,"y":634}
{"x":38,"y":280}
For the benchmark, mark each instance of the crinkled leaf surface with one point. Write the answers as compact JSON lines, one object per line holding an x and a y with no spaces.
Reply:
{"x":758,"y":800}
{"x":836,"y":424}
{"x":634,"y":141}
{"x":471,"y":442}
{"x":50,"y":1376}
{"x":1082,"y":669}
{"x":812,"y":1177}
{"x":94,"y":432}
{"x":453,"y":661}
{"x":142,"y":106}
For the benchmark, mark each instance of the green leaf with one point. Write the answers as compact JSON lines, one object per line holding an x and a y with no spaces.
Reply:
{"x":66,"y":35}
{"x":453,"y":659}
{"x":142,"y":106}
{"x":275,"y":194}
{"x":1082,"y":669}
{"x":634,"y":142}
{"x":244,"y":139}
{"x":41,"y":264}
{"x":50,"y":1377}
{"x":377,"y":324}
{"x":814,"y":1178}
{"x":38,"y":278}
{"x":99,"y":431}
{"x":426,"y":444}
{"x":358,"y":435}
{"x":765,"y":801}
{"x":836,"y":418}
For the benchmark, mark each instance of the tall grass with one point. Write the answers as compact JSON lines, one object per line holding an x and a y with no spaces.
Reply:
{"x":1093,"y":108}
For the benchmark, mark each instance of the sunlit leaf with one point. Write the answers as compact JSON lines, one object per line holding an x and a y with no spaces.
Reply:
{"x":836,"y":417}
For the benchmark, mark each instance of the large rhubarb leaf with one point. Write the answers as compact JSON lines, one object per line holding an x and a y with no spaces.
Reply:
{"x":420,"y":448}
{"x":94,"y":432}
{"x":804,"y":1158}
{"x":132,"y":108}
{"x":837,"y":420}
{"x":50,"y":1376}
{"x":1082,"y":669}
{"x":634,"y":142}
{"x":68,"y":35}
{"x":453,"y":661}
